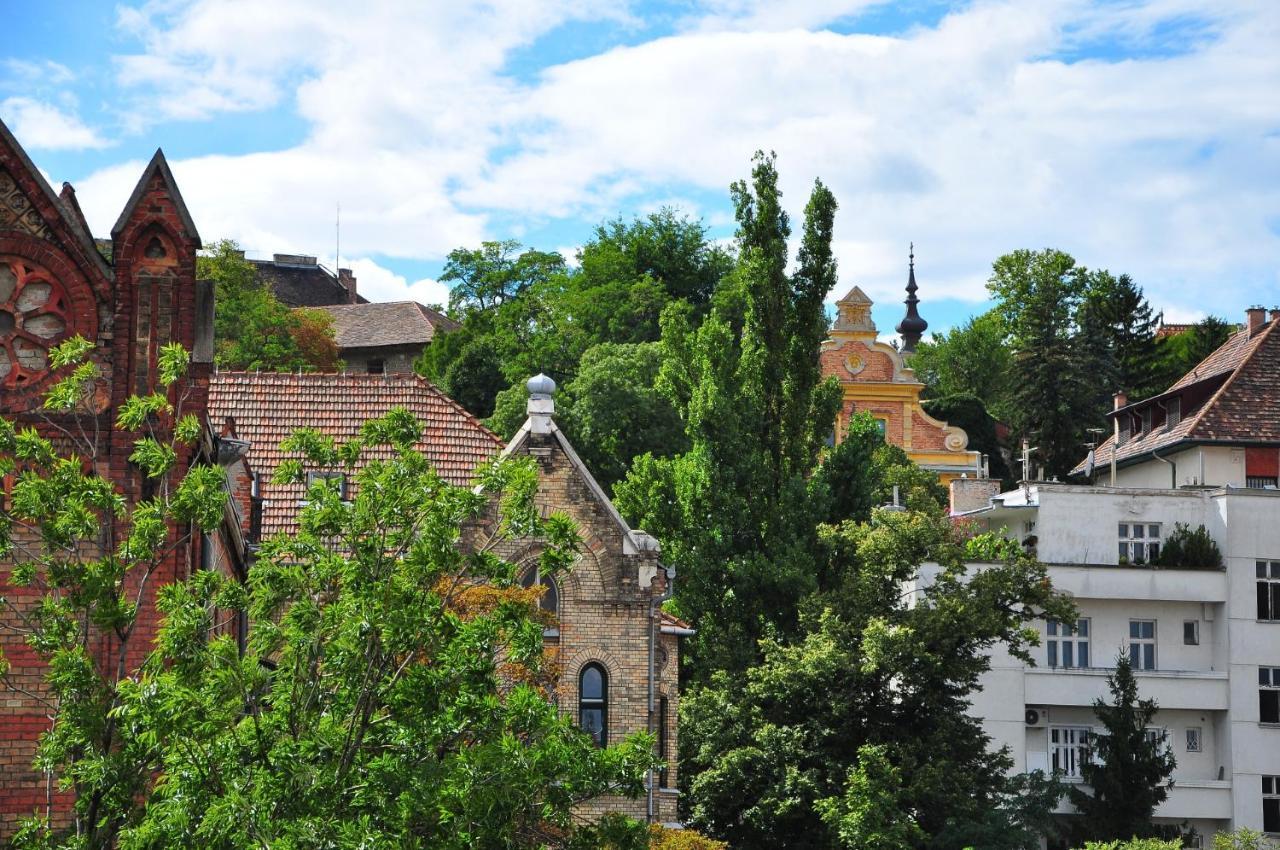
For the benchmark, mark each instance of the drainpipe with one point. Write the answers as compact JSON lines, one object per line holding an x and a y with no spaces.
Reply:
{"x":1173,"y":468}
{"x":655,"y":606}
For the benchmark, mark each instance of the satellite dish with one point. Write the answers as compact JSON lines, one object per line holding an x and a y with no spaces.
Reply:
{"x":1088,"y":464}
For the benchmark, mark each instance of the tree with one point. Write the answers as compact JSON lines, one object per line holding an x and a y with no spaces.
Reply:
{"x":1180,"y":353}
{"x":1117,"y":318}
{"x":733,"y":511}
{"x":392,"y":689}
{"x":968,"y":412}
{"x":252,"y":329}
{"x":1129,"y":775}
{"x":973,"y":359}
{"x":489,"y":276}
{"x":775,"y":754}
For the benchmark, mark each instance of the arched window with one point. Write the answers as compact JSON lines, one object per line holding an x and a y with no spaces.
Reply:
{"x":593,"y":702}
{"x":550,"y":600}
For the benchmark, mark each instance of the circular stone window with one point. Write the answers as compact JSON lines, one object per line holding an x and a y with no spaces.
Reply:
{"x":34,"y":314}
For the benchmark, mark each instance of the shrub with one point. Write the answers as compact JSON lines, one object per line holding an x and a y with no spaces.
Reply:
{"x":1187,"y":548}
{"x":992,"y":546}
{"x":661,"y":838}
{"x":1136,"y":844}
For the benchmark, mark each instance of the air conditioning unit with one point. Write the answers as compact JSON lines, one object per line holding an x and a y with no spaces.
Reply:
{"x":1037,"y":716}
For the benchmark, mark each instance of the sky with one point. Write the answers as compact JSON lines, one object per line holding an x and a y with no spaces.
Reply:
{"x":1141,"y":136}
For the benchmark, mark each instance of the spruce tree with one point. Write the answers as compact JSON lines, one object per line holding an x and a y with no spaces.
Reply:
{"x":1129,"y":776}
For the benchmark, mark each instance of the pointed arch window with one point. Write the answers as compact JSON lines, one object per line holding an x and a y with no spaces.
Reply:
{"x":593,"y":703}
{"x":550,"y":600}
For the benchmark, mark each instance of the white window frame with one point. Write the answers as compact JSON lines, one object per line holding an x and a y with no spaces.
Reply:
{"x":1268,"y":682}
{"x":1271,"y":792}
{"x":1139,"y":542}
{"x":1195,"y":739}
{"x":1268,"y":575}
{"x":1069,"y":748}
{"x":1137,"y":659}
{"x":1059,"y":637}
{"x":1159,"y":735}
{"x":1195,"y":633}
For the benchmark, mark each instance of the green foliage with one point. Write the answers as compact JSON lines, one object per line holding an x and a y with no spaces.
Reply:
{"x":991,"y":546}
{"x":392,"y":690}
{"x":662,"y":838}
{"x":1135,"y":844}
{"x":1242,"y":839}
{"x":734,"y":511}
{"x":252,"y":328}
{"x":972,"y":360}
{"x":1187,"y":548}
{"x":1130,"y":775}
{"x":970,"y":413}
{"x":766,"y":747}
{"x":1178,"y":354}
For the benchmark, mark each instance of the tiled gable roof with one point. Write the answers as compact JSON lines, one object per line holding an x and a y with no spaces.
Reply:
{"x":1244,"y":407}
{"x":386,"y":323}
{"x":267,"y":407}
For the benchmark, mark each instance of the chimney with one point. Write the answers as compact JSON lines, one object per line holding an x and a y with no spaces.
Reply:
{"x":348,"y":281}
{"x":1255,"y":318}
{"x":1120,"y":400}
{"x":1275,"y":313}
{"x":541,"y":406}
{"x":971,"y":494}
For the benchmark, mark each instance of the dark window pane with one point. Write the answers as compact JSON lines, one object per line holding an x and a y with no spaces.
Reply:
{"x":1153,"y":551}
{"x":1271,"y":814}
{"x":1133,"y":656}
{"x":1133,"y":629}
{"x":1124,"y":530}
{"x":592,"y":683}
{"x":1053,"y":653}
{"x":1275,"y":600}
{"x":1153,"y":531}
{"x":1264,"y":601}
{"x":1190,"y":634}
{"x":1264,"y":675}
{"x":1082,"y":628}
{"x":1067,"y":654}
{"x":1149,"y":657}
{"x":1269,"y":706}
{"x":1052,"y":627}
{"x":1261,"y":569}
{"x":551,"y":597}
{"x":1082,"y":654}
{"x":592,"y":721}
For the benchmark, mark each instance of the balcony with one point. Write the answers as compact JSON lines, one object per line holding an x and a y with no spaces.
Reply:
{"x":1199,"y":799}
{"x":1191,"y":689}
{"x":1139,"y":583}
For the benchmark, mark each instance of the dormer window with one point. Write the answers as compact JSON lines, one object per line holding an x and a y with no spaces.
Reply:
{"x":1173,"y":412}
{"x":1146,"y":421}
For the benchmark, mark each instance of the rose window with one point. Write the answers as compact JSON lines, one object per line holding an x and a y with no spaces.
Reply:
{"x":33,"y":318}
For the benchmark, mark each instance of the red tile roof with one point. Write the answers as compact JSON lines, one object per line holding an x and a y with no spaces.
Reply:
{"x":1242,"y":382}
{"x":267,"y":407}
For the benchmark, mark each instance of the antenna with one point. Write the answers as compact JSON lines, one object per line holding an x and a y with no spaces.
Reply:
{"x":337,"y":237}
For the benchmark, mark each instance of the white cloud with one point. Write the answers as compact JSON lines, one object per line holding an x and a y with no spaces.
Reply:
{"x":42,"y":126}
{"x":968,"y":137}
{"x":378,"y":283}
{"x":29,"y":73}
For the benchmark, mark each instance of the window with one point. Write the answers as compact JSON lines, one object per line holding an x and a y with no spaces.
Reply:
{"x":1158,"y":736}
{"x":337,"y":480}
{"x":593,"y":703}
{"x":1268,"y":590}
{"x":1067,"y":645}
{"x":1139,"y":542}
{"x":1173,"y":412}
{"x":1191,"y":632}
{"x":1142,"y":644}
{"x":1069,"y":749}
{"x":1269,"y":694}
{"x":377,"y":367}
{"x":882,"y":425}
{"x":663,"y":751}
{"x":1195,"y":739}
{"x":550,"y":600}
{"x":1271,"y":804}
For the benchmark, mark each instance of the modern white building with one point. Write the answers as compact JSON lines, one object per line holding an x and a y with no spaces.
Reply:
{"x":1204,"y":640}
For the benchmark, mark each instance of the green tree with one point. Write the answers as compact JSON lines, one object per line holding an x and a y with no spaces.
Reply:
{"x":1117,"y":319}
{"x":733,"y":512}
{"x":968,"y":412}
{"x":774,"y":755}
{"x":483,"y":278}
{"x":392,"y":691}
{"x":1130,"y":775}
{"x":252,"y":329}
{"x":1180,"y":353}
{"x":973,"y":359}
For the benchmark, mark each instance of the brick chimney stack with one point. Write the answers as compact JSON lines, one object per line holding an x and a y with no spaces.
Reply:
{"x":1120,"y":400}
{"x":348,"y":281}
{"x":1275,"y":313}
{"x":1255,"y":318}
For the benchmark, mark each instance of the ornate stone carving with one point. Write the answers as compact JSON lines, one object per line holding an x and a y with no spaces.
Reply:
{"x":34,"y":317}
{"x":16,"y":211}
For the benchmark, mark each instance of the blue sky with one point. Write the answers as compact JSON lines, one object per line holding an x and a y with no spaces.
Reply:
{"x":1139,"y":135}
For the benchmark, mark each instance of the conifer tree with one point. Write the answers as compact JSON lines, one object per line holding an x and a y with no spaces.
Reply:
{"x":1129,"y":775}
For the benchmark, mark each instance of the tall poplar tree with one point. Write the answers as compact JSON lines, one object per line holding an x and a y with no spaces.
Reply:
{"x":734,"y":511}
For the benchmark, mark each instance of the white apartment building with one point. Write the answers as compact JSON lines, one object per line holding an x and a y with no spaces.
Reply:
{"x":1204,"y":642}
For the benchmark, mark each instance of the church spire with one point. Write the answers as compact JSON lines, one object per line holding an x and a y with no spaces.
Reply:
{"x":912,"y":327}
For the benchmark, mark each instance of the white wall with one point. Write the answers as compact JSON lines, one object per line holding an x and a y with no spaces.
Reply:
{"x":1222,"y":466}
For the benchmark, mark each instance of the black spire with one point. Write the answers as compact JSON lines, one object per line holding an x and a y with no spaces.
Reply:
{"x":912,"y":327}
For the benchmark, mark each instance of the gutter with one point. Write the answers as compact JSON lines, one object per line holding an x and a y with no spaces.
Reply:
{"x":1173,"y":469}
{"x":655,"y":608}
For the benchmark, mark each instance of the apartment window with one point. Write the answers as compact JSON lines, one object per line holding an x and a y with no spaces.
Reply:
{"x":550,"y":600}
{"x":1191,"y":632}
{"x":663,"y":747}
{"x":377,"y":367}
{"x":593,"y":703}
{"x":1268,"y":590}
{"x":1159,"y":737}
{"x":1069,"y":749}
{"x":1142,"y":644}
{"x":1067,"y":645}
{"x":337,"y":480}
{"x":1269,"y":694}
{"x":1139,"y":542}
{"x":1195,"y":739}
{"x":1271,"y":804}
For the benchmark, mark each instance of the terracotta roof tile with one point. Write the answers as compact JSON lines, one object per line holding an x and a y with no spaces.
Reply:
{"x":385,"y":323}
{"x":267,"y":407}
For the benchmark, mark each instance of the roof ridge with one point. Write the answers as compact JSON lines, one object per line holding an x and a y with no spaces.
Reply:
{"x":1250,"y":350}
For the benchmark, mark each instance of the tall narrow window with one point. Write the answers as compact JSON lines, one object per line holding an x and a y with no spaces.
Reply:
{"x":1069,"y":748}
{"x":663,"y":751}
{"x":1067,"y":645}
{"x":1268,"y":590}
{"x":1269,"y":694}
{"x":1142,"y":644}
{"x":593,"y":703}
{"x":1271,"y":804}
{"x":550,"y":600}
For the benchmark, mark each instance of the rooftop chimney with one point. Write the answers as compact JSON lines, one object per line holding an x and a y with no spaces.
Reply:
{"x":541,"y":406}
{"x":348,"y":281}
{"x":971,"y":494}
{"x":1275,"y":313}
{"x":1120,"y":400}
{"x":1255,"y":318}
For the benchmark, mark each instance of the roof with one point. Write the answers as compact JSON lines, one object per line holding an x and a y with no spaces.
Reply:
{"x":267,"y":407}
{"x":1242,"y":380}
{"x":1171,"y":329}
{"x":302,"y":284}
{"x":158,"y":165}
{"x":390,"y":323}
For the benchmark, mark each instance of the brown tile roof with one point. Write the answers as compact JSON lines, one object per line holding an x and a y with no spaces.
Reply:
{"x":1242,"y":383}
{"x":267,"y":407}
{"x":302,"y":284}
{"x":1171,"y":330}
{"x":386,"y":323}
